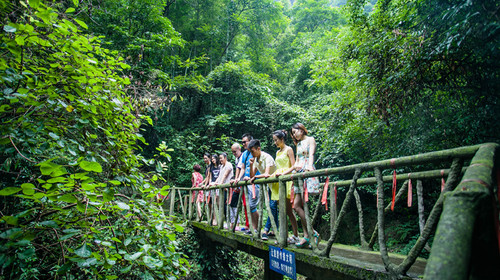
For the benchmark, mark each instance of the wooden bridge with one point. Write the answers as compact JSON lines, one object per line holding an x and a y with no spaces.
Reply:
{"x":463,"y":222}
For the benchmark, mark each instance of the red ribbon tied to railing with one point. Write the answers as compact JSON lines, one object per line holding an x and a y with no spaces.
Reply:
{"x":335,"y":192}
{"x":208,"y":197}
{"x":325,"y":194}
{"x":230,"y":195}
{"x":394,"y":184}
{"x":306,"y":193}
{"x":410,"y":191}
{"x":253,"y":189}
{"x":442,"y":180}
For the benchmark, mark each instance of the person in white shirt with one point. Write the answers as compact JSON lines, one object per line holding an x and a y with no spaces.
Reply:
{"x":264,"y":163}
{"x":225,"y":175}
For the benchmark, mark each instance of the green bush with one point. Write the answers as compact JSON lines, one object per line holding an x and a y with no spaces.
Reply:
{"x":75,"y":202}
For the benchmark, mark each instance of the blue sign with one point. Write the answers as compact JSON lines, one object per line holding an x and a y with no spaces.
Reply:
{"x":282,"y":261}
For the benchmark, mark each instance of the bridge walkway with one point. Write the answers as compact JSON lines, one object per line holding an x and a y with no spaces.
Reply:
{"x":344,"y":262}
{"x":462,"y":224}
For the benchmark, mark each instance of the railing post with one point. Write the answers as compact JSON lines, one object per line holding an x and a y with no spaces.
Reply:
{"x":191,"y":201}
{"x":261,"y":218}
{"x":390,"y":267}
{"x":268,"y":207}
{"x":220,"y":218}
{"x":238,"y":208}
{"x":172,"y":201}
{"x":182,"y":204}
{"x":215,"y":207}
{"x":283,"y":232}
{"x":245,"y":190}
{"x":465,"y":245}
{"x":362,"y":237}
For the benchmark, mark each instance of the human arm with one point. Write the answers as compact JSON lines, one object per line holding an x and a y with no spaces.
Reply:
{"x":312,"y":150}
{"x":236,"y":177}
{"x":208,"y":179}
{"x":295,"y":165}
{"x":253,"y":169}
{"x":265,"y":162}
{"x":265,"y":174}
{"x":242,"y":173}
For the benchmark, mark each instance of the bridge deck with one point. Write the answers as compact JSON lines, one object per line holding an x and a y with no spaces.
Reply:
{"x":345,"y":262}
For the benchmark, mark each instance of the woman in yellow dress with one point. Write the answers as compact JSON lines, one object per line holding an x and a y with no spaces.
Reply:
{"x":285,"y":160}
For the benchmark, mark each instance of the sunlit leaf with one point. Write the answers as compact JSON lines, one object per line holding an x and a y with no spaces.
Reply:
{"x":83,"y":251}
{"x":9,"y":191}
{"x":91,"y":166}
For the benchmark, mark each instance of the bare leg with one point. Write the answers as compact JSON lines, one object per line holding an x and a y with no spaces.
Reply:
{"x":216,"y":202}
{"x":298,"y":207}
{"x":292,"y":218}
{"x":198,"y":208}
{"x":255,"y":219}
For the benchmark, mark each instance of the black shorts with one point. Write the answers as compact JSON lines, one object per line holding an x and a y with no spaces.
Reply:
{"x":234,"y":199}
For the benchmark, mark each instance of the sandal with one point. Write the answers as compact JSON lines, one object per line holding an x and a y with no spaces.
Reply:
{"x":293,"y":239}
{"x":302,"y":245}
{"x":317,"y":237}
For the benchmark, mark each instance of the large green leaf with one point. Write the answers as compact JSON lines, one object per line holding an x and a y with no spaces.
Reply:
{"x":9,"y":191}
{"x":133,"y":257}
{"x":28,"y":253}
{"x":91,"y":166}
{"x":10,"y":29}
{"x":122,"y":205}
{"x":84,"y":251}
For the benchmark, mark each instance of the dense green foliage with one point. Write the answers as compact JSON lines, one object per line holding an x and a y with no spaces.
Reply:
{"x":95,"y":94}
{"x":74,"y":201}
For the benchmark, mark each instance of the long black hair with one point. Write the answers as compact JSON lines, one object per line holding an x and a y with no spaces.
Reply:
{"x":216,"y":160}
{"x":301,"y":127}
{"x":281,"y":134}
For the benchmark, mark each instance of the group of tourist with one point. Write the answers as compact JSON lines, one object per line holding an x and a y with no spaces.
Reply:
{"x":253,"y":163}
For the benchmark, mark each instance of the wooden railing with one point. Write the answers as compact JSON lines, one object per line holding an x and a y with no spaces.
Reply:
{"x":477,"y":183}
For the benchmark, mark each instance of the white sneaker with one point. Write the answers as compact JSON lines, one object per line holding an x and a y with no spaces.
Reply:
{"x":293,"y":239}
